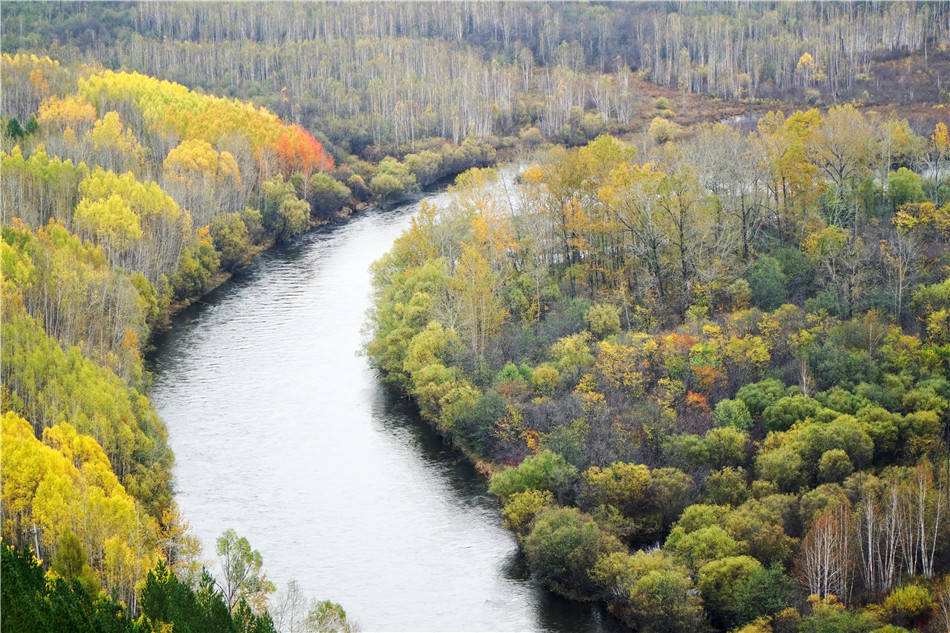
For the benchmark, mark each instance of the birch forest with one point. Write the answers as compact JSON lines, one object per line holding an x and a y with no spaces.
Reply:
{"x":697,"y":346}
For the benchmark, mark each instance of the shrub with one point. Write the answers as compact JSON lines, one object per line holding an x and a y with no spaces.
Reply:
{"x":603,"y":319}
{"x":767,"y":283}
{"x":907,"y":603}
{"x":231,"y":240}
{"x":834,"y":465}
{"x":544,"y":380}
{"x":727,"y":487}
{"x":733,"y":413}
{"x":720,"y":581}
{"x":563,"y":547}
{"x":523,"y":506}
{"x":651,"y":593}
{"x":327,"y":194}
{"x":766,"y":591}
{"x":662,"y":130}
{"x":386,"y":187}
{"x":545,"y":471}
{"x":623,"y":485}
{"x":758,"y":396}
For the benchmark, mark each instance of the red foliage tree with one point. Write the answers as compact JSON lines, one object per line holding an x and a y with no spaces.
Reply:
{"x":299,"y":152}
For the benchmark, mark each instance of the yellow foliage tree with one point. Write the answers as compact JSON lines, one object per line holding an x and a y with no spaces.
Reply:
{"x":65,"y":484}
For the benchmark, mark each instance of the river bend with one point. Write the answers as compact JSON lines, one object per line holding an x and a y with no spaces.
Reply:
{"x":282,"y":431}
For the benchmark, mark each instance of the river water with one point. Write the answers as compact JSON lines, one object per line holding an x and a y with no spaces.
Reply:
{"x":282,"y":431}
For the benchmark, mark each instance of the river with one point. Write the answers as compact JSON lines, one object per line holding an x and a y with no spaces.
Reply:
{"x":282,"y":431}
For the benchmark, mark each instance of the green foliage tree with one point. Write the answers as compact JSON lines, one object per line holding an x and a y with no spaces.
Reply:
{"x":327,"y":195}
{"x":767,"y":283}
{"x":32,"y":601}
{"x":545,"y":471}
{"x":241,"y":571}
{"x":232,"y":240}
{"x":720,"y":581}
{"x":562,"y":548}
{"x":69,"y":561}
{"x":603,"y":319}
{"x":623,"y":485}
{"x":733,"y":413}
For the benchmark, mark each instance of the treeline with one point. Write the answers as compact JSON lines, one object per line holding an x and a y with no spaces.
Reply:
{"x":391,"y":74}
{"x":187,"y":142}
{"x":709,"y":376}
{"x":124,"y":197}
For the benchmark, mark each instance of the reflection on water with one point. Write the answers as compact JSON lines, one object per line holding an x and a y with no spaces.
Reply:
{"x":282,"y":431}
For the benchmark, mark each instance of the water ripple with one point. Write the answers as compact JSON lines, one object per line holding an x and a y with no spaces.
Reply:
{"x":283,"y":433}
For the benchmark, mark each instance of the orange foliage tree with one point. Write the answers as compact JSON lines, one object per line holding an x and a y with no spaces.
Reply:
{"x":298,"y":151}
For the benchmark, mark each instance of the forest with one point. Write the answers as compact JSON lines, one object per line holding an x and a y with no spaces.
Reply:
{"x":707,"y":378}
{"x":124,"y":198}
{"x":703,"y":366}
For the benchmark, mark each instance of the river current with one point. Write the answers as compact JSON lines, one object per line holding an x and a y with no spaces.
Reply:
{"x":282,"y":431}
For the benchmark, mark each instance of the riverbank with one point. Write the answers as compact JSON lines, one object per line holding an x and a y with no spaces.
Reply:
{"x":346,"y":214}
{"x":353,"y":495}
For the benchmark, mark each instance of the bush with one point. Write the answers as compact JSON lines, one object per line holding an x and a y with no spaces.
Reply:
{"x":726,"y":446}
{"x":196,"y":268}
{"x":767,"y":283}
{"x":563,"y":547}
{"x":758,"y":396}
{"x":727,"y":487}
{"x":907,"y":603}
{"x":781,"y":466}
{"x":832,"y":621}
{"x":603,"y":319}
{"x":903,"y":186}
{"x":327,"y":195}
{"x":651,"y":593}
{"x":766,"y":591}
{"x":622,"y":485}
{"x":672,"y":490}
{"x":733,"y":413}
{"x":231,"y":240}
{"x":695,"y":549}
{"x":392,"y":180}
{"x":293,"y":218}
{"x":283,"y":215}
{"x":834,"y":466}
{"x":664,"y":602}
{"x":662,"y":130}
{"x":426,"y":166}
{"x":544,"y":380}
{"x":720,"y":581}
{"x":545,"y":471}
{"x":523,"y":506}
{"x":785,"y":412}
{"x":386,"y":187}
{"x":531,"y":137}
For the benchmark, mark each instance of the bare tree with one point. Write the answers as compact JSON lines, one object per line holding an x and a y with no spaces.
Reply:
{"x":827,"y":553}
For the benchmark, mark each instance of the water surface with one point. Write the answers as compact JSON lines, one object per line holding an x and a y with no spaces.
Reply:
{"x":282,"y":431}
